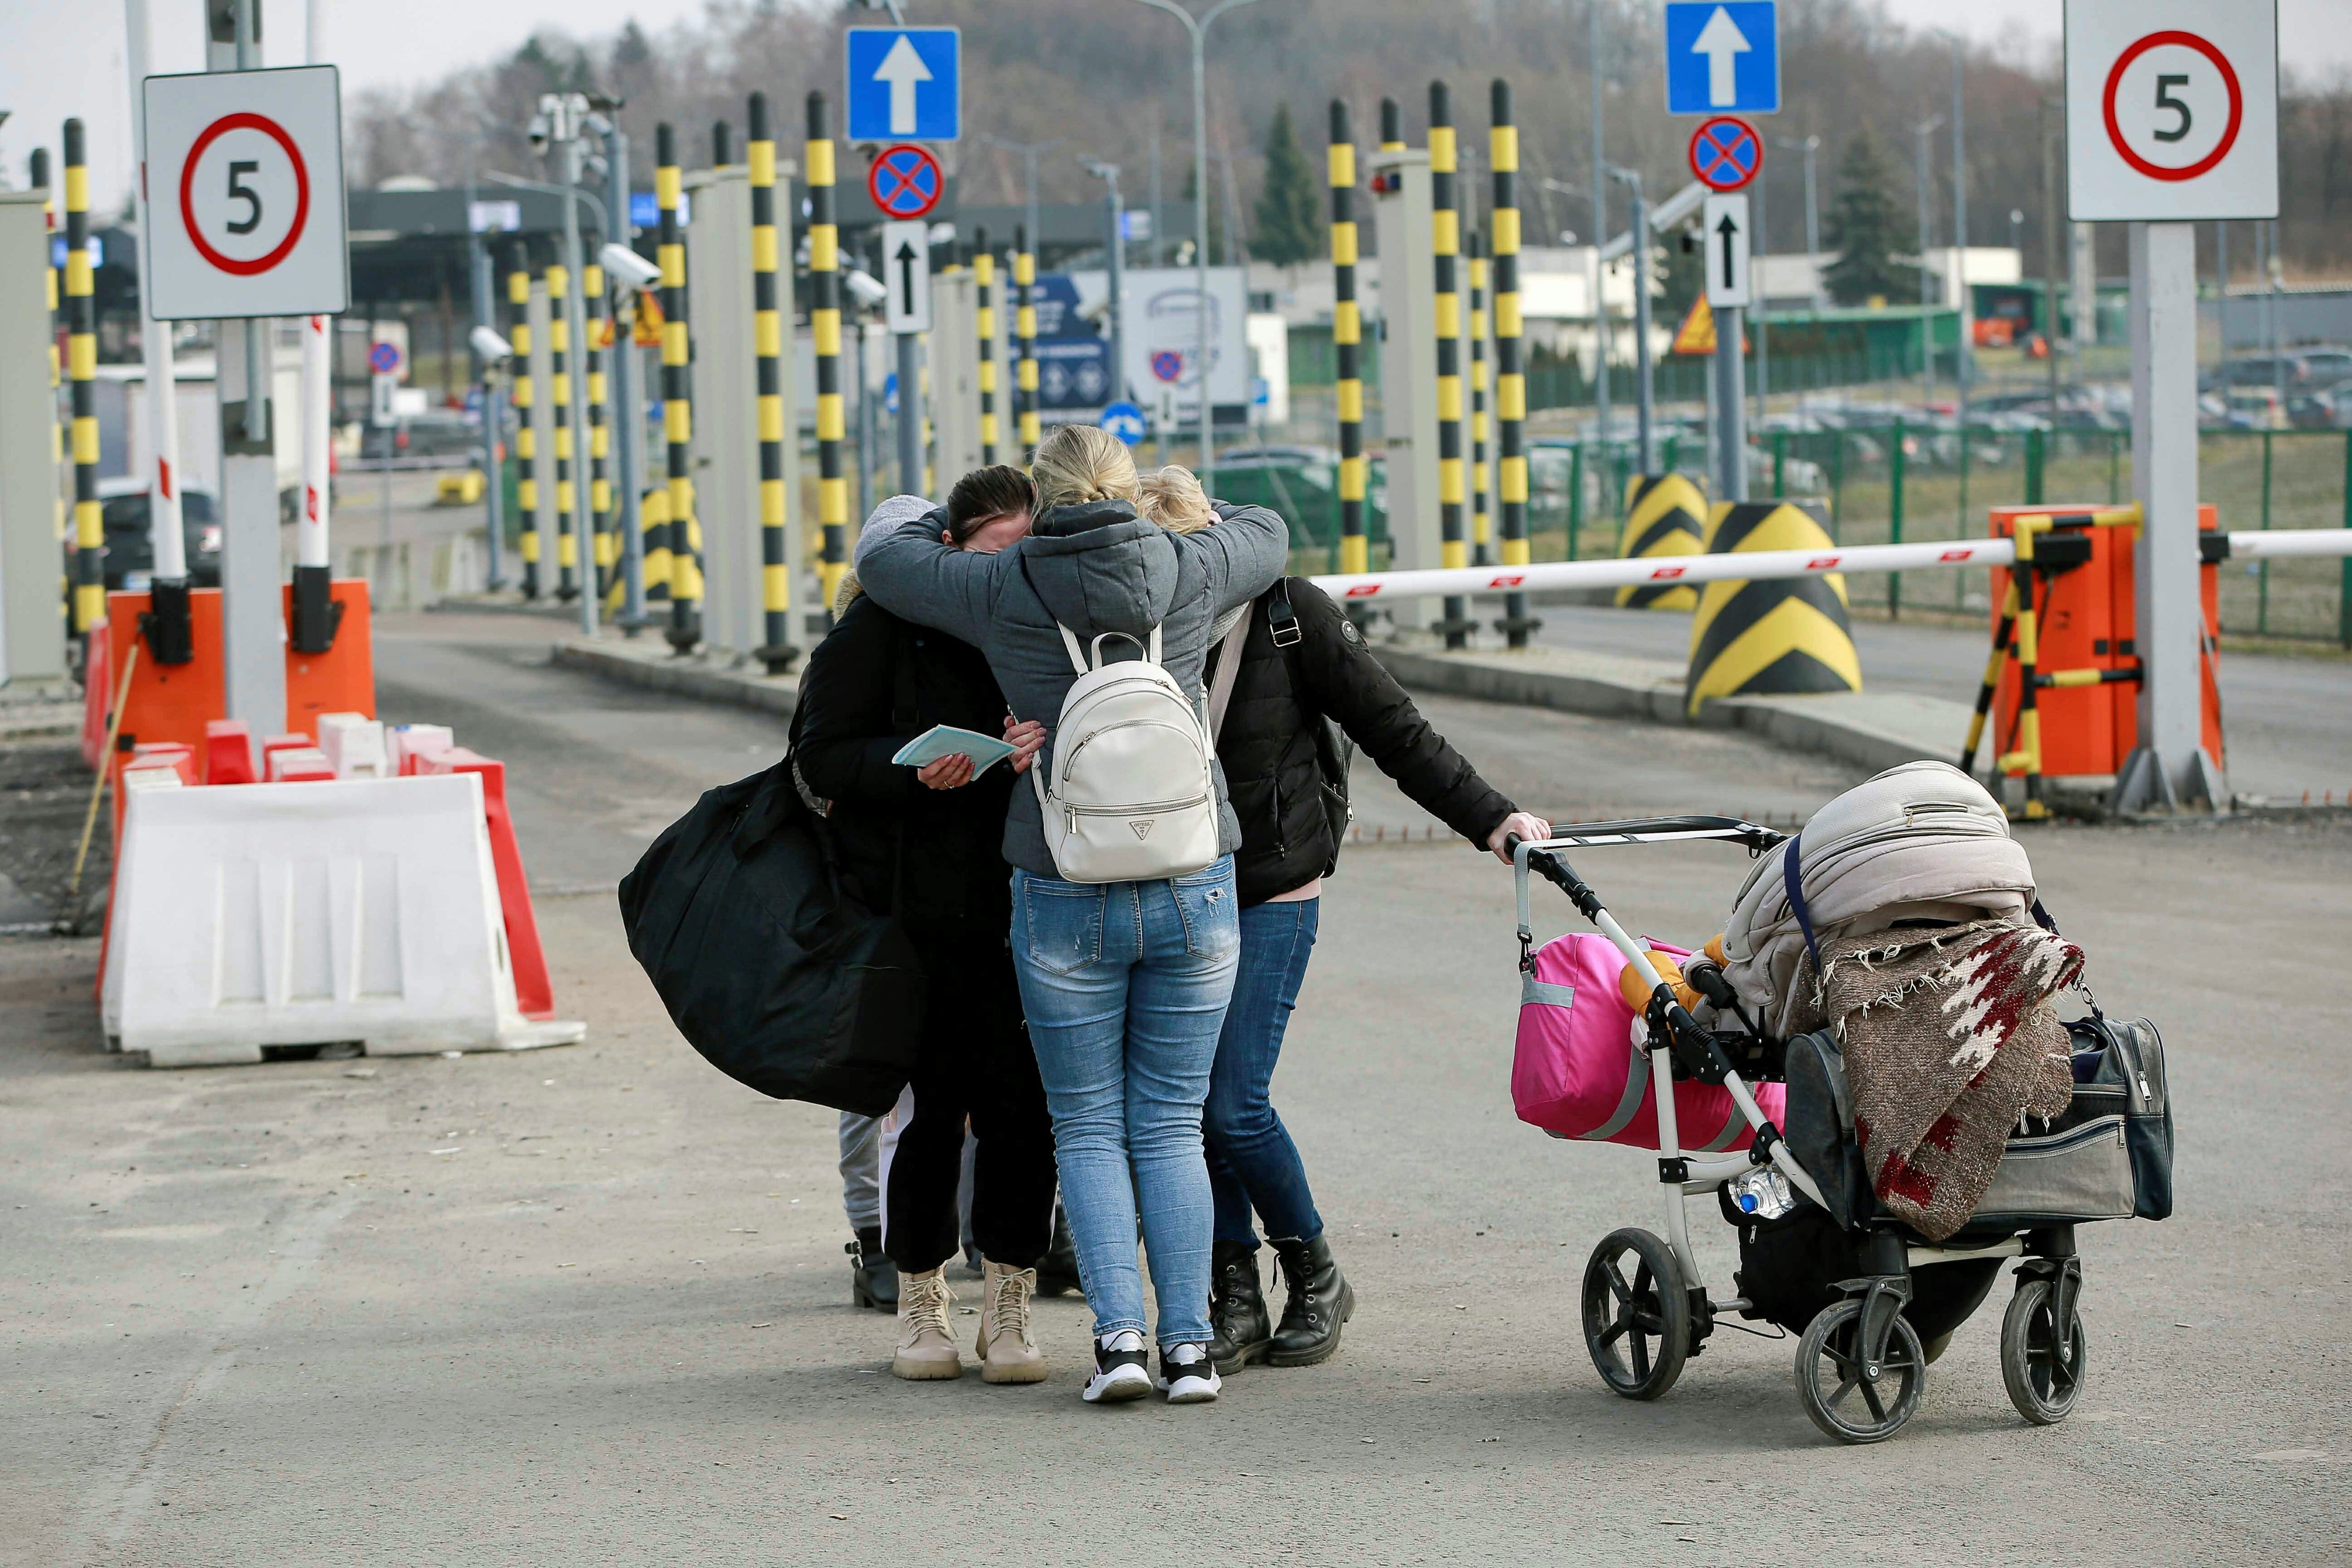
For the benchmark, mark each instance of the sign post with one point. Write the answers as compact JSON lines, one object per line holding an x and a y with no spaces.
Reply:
{"x":1725,"y":231}
{"x":2171,"y":119}
{"x":907,"y":311}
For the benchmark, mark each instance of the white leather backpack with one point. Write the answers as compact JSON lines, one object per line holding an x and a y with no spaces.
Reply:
{"x":1131,"y":798}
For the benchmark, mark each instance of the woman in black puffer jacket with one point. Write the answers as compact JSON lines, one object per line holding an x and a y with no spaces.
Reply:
{"x":1302,"y":663}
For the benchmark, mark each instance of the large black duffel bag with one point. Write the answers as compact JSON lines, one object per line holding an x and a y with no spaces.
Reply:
{"x":769,"y":962}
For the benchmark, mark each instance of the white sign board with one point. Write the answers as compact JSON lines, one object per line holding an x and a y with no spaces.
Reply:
{"x":1160,"y":330}
{"x":1724,"y":225}
{"x":245,"y":181}
{"x":906,"y":273}
{"x":2171,"y":111}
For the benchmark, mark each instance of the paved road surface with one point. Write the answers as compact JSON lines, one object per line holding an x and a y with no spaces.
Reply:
{"x":588,"y":1304}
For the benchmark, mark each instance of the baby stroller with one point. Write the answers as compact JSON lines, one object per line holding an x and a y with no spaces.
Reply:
{"x":1871,"y":1300}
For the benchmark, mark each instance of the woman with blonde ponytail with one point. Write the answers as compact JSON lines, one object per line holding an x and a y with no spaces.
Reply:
{"x":1124,"y":984}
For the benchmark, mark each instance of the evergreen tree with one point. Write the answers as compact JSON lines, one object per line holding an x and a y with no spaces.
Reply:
{"x":1288,"y":227}
{"x":1863,"y":226}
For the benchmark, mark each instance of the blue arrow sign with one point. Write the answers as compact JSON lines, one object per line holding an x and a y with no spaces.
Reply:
{"x":1124,"y":420}
{"x":905,"y":84}
{"x":1722,"y":56}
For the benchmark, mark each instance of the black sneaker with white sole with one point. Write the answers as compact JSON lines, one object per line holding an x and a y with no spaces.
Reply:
{"x":1122,"y":1372}
{"x":1186,"y":1375}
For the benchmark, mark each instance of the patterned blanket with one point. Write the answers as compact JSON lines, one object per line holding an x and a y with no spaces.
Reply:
{"x":1950,"y":1035}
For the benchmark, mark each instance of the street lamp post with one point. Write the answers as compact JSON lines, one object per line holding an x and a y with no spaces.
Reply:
{"x":1924,"y":130}
{"x":1600,"y":233}
{"x":1029,"y":152}
{"x":1115,"y":260}
{"x":1632,"y":180}
{"x":1809,"y":146}
{"x":1199,"y":28}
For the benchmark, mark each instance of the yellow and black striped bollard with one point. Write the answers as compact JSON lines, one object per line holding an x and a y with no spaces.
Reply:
{"x":1665,"y":515}
{"x":983,"y":277}
{"x":767,"y":348}
{"x":1482,"y":521}
{"x":40,"y":176}
{"x":1445,"y":242}
{"x":1025,"y":328}
{"x":1781,"y":635}
{"x":603,"y":546}
{"x":525,"y":436}
{"x":824,"y":329}
{"x":1510,"y":380}
{"x":1346,"y":342}
{"x":677,"y":399}
{"x":559,"y":386}
{"x":81,"y":372}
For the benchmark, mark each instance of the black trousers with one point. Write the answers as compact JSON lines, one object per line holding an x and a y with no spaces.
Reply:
{"x":974,"y":1062}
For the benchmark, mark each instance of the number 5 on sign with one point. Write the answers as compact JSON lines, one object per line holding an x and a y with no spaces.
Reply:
{"x":2171,"y":110}
{"x":245,"y":181}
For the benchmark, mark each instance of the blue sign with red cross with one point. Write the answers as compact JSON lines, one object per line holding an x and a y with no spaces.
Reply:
{"x":905,"y":182}
{"x":1726,"y":153}
{"x":384,"y":358}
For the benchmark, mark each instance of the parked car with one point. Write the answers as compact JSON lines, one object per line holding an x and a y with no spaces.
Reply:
{"x":129,"y":559}
{"x":437,"y":433}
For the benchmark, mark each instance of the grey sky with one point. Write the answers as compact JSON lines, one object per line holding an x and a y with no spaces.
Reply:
{"x":66,"y":57}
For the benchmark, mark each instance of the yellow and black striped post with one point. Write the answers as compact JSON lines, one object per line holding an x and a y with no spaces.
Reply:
{"x":677,"y":399}
{"x":40,"y":176}
{"x":1446,"y":241}
{"x":1347,"y":341}
{"x":1994,"y":665}
{"x":983,"y":277}
{"x":1510,"y":379}
{"x":1784,"y":634}
{"x":525,"y":438}
{"x":81,"y":372}
{"x":1482,"y":523}
{"x":2027,"y":757}
{"x":603,"y":544}
{"x":653,"y":524}
{"x":1665,"y":515}
{"x":559,"y":386}
{"x":768,"y":348}
{"x":824,"y":329}
{"x":1025,"y":328}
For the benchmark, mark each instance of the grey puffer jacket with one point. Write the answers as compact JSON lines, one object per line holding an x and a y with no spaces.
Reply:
{"x":1094,"y":568}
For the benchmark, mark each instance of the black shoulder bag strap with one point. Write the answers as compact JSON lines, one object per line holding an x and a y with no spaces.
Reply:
{"x":1793,"y":880}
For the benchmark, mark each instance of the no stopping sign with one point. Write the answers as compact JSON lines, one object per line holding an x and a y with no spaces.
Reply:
{"x":245,"y":195}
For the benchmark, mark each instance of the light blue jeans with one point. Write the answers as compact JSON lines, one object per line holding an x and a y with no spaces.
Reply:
{"x":1125,"y":986}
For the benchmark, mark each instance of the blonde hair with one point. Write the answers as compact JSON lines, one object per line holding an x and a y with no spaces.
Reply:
{"x":1082,"y":463}
{"x":1173,"y":497}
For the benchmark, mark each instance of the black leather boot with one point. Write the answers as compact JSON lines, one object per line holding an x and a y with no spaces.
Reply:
{"x":1057,"y":1271}
{"x":1237,"y":1314}
{"x":1320,"y":1300}
{"x":873,"y":1277}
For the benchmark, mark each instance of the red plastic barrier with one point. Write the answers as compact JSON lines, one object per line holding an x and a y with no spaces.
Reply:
{"x":228,"y":752}
{"x":270,"y":743}
{"x":533,"y":993}
{"x":97,"y":696}
{"x":302,"y":764}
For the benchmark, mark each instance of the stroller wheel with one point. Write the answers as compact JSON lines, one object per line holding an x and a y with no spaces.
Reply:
{"x":1637,"y":1315}
{"x":2043,"y":1383}
{"x":1831,"y":1384}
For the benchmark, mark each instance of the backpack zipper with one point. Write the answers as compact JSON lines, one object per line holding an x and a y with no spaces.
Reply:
{"x":1146,"y":808}
{"x":1065,"y":764}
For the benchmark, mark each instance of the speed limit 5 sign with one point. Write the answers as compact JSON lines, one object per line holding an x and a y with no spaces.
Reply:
{"x":244,"y":194}
{"x":2171,"y":110}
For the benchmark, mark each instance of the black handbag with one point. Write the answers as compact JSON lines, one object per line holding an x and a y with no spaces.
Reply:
{"x":769,"y":962}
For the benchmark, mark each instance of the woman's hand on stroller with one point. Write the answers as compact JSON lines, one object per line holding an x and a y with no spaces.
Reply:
{"x":1519,"y":824}
{"x":1025,"y":736}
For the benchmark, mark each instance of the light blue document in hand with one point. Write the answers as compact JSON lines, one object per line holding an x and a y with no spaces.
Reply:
{"x":946,"y":740}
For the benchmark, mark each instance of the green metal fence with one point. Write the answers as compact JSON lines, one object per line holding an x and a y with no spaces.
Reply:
{"x":1897,"y":482}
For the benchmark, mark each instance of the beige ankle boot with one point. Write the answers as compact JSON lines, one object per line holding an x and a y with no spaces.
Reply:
{"x":1007,"y":1351}
{"x":927,"y":1346}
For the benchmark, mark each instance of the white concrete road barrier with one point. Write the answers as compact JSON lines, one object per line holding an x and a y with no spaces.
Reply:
{"x":248,"y":916}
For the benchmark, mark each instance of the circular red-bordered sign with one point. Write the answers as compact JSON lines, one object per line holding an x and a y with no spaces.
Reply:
{"x":1725,"y":152}
{"x":905,"y":182}
{"x":2229,"y":80}
{"x":204,"y":247}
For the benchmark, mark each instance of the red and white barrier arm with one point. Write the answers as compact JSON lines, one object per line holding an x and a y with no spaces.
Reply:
{"x":1760,"y":565}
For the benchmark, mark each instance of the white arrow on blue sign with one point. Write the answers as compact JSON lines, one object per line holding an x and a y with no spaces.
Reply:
{"x":1124,"y":420}
{"x":905,"y":84}
{"x":1723,"y":56}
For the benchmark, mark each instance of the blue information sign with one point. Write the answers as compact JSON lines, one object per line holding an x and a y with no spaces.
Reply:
{"x":905,"y":84}
{"x":1124,"y":420}
{"x":1722,"y":56}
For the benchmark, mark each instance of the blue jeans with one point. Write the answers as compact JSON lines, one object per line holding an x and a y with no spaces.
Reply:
{"x":1125,"y":986}
{"x":1252,"y":1160}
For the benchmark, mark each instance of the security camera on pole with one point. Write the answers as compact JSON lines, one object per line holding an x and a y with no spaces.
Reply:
{"x":2172,"y":120}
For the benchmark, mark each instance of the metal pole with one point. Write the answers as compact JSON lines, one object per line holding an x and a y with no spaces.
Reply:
{"x":576,"y":321}
{"x":1643,"y":367}
{"x":1445,"y":221}
{"x":1600,"y":225}
{"x":908,"y":424}
{"x":2051,"y":244}
{"x":768,"y":321}
{"x":628,"y":396}
{"x":1761,"y":241}
{"x":677,"y":400}
{"x":478,"y":267}
{"x":1118,"y":266}
{"x":983,"y":277}
{"x":2222,"y":302}
{"x":1208,"y":466}
{"x":1814,"y":223}
{"x":869,"y":419}
{"x":1925,"y":129}
{"x":526,"y":396}
{"x":170,"y":637}
{"x":1024,"y":332}
{"x":1962,"y":360}
{"x":1730,"y":408}
{"x":561,"y":359}
{"x":1481,"y":531}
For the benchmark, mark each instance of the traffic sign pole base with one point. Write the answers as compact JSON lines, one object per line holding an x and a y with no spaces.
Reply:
{"x":316,"y":614}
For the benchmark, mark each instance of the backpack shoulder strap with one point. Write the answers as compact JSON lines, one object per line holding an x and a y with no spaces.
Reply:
{"x":1793,"y":879}
{"x":1070,"y":641}
{"x":1229,"y":670}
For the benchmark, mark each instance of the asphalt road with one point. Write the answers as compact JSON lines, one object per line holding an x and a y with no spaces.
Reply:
{"x":589,"y":1304}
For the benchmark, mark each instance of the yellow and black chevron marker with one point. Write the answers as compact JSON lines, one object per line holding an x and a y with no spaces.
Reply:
{"x":1665,"y":515}
{"x":1787,"y":635}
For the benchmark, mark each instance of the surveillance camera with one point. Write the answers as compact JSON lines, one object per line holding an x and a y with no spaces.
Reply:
{"x":941,"y":234}
{"x":489,"y":345}
{"x":537,"y":134}
{"x":864,"y":290}
{"x":628,"y":268}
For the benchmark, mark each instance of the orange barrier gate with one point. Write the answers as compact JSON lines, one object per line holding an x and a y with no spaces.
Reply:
{"x":2068,"y":622}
